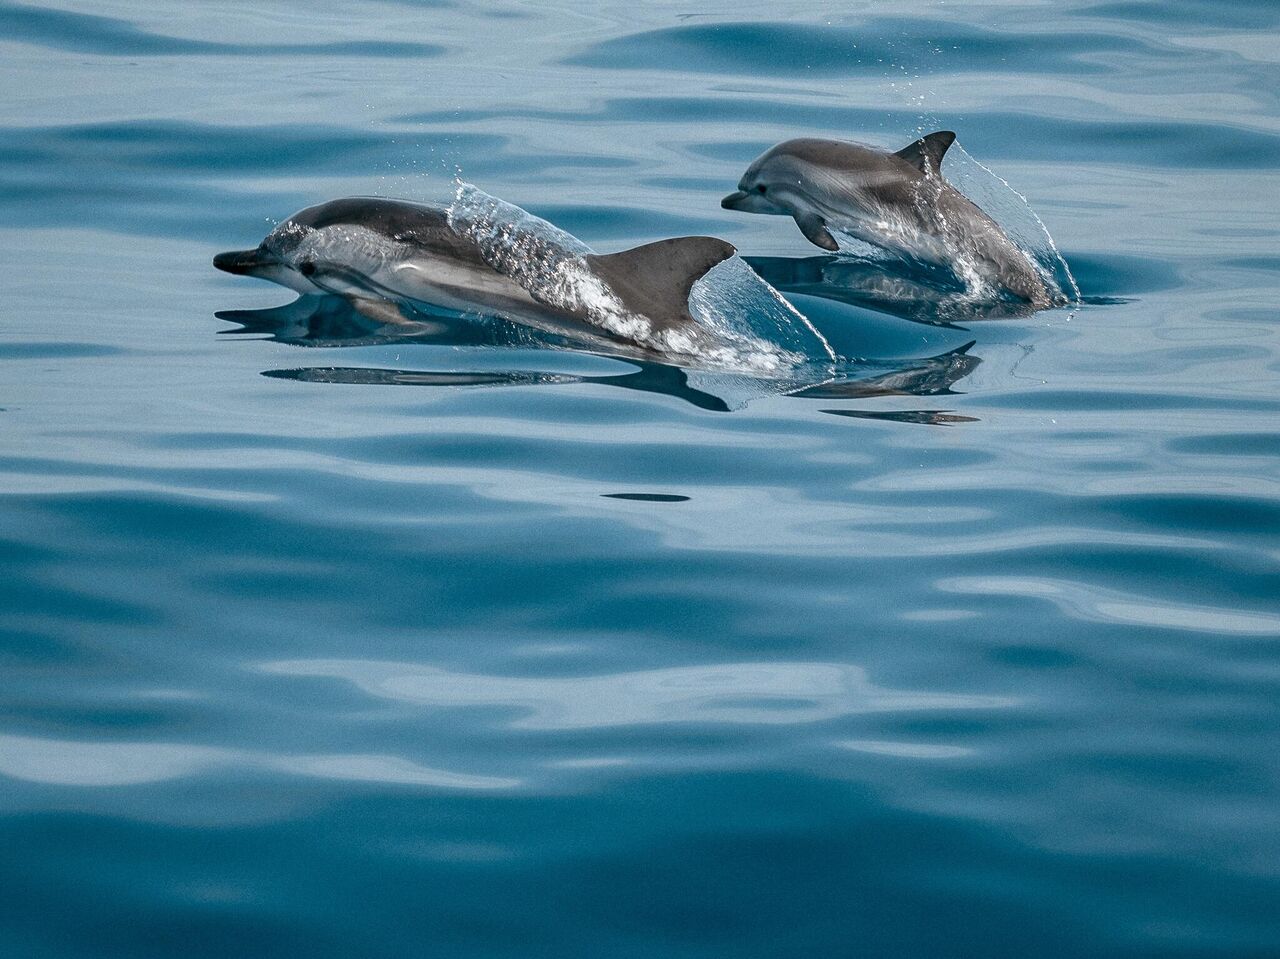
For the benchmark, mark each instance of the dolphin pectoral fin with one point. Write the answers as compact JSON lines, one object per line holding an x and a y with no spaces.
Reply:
{"x":386,"y":312}
{"x":654,"y":280}
{"x":816,"y":232}
{"x":927,"y":152}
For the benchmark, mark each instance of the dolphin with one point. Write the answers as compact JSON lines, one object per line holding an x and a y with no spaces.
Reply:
{"x":376,"y":251}
{"x":898,"y":201}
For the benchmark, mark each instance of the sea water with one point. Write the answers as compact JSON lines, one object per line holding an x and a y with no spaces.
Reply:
{"x":329,"y":638}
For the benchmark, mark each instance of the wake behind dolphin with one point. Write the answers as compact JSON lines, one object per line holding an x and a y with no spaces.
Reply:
{"x":688,"y":298}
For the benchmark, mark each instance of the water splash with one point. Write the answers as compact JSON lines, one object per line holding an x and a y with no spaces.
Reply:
{"x":1013,"y":211}
{"x":744,"y":325}
{"x":735,"y":300}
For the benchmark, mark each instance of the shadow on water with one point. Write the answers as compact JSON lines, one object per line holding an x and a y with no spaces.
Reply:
{"x":334,"y":322}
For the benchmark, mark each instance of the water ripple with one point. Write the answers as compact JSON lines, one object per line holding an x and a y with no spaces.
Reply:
{"x":750,"y":693}
{"x":58,"y":762}
{"x":927,"y":46}
{"x":1111,"y":606}
{"x":109,"y":36}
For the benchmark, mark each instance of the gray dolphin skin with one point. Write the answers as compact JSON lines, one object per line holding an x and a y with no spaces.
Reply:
{"x":898,"y":201}
{"x":372,"y":249}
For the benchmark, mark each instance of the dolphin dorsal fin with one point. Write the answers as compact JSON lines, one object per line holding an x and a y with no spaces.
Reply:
{"x":654,"y":280}
{"x":927,"y":152}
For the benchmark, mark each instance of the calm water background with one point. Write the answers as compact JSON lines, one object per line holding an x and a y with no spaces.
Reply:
{"x":313,"y":669}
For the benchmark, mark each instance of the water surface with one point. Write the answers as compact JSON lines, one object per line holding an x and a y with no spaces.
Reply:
{"x":319,"y":642}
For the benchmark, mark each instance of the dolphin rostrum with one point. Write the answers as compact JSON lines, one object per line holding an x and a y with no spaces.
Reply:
{"x":374,"y":250}
{"x":898,"y":201}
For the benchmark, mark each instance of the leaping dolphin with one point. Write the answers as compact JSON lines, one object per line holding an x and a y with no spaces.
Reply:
{"x":898,"y":201}
{"x":373,"y":250}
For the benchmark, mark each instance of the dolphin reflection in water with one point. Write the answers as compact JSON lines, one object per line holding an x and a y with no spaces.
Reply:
{"x":330,"y":321}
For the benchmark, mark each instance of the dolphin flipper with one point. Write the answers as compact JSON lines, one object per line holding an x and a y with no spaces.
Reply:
{"x":386,"y":312}
{"x":927,"y":152}
{"x":654,"y":280}
{"x":816,"y":232}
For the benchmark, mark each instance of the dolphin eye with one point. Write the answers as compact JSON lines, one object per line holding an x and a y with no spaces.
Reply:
{"x":762,"y":188}
{"x":307,"y":267}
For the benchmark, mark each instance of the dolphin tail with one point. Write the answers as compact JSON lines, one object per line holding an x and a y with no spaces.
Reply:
{"x":654,"y":280}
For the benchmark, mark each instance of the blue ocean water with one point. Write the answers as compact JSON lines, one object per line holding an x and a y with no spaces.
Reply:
{"x":320,"y":643}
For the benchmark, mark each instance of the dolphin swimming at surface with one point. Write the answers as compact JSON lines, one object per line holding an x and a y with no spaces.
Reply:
{"x":897,"y":201}
{"x":376,"y":250}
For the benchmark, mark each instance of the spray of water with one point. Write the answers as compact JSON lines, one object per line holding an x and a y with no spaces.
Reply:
{"x":1014,"y":213}
{"x":743,"y":323}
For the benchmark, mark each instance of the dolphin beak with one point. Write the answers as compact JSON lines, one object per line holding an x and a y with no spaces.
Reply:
{"x":734,"y":200}
{"x":243,"y":262}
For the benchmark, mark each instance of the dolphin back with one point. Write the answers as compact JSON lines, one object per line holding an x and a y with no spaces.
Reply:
{"x":654,"y":280}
